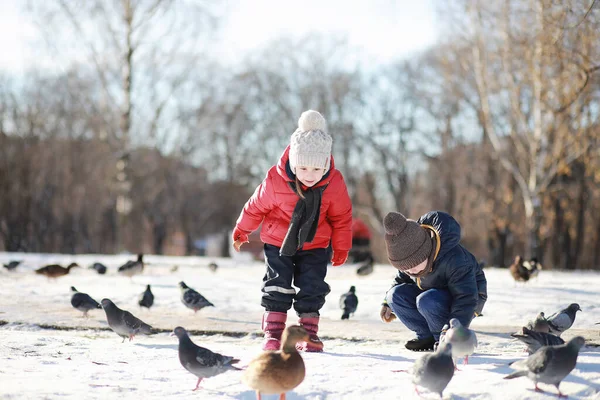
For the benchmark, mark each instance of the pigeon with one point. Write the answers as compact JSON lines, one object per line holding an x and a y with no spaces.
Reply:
{"x":122,"y":322}
{"x":563,"y":320}
{"x":55,"y":270}
{"x":213,"y":266}
{"x":200,"y":361}
{"x":550,"y":364}
{"x":83,"y":302}
{"x":131,"y":268}
{"x":146,"y":298}
{"x":534,"y":340}
{"x":12,"y":265}
{"x":539,"y":324}
{"x":100,"y":268}
{"x":192,"y":299}
{"x":434,"y":371}
{"x":349,"y":302}
{"x":463,"y":340}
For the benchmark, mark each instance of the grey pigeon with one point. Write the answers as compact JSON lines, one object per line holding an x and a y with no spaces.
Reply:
{"x":146,"y":298}
{"x":462,"y":339}
{"x":12,"y":265}
{"x":83,"y":302}
{"x":200,"y":361}
{"x":539,"y":324}
{"x":550,"y":364}
{"x":99,"y":268}
{"x":192,"y":299}
{"x":563,"y":320}
{"x":122,"y":322}
{"x":349,"y":302}
{"x":534,"y":340}
{"x":434,"y":371}
{"x":131,"y":268}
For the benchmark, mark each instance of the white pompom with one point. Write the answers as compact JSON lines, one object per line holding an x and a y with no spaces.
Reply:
{"x":311,"y":120}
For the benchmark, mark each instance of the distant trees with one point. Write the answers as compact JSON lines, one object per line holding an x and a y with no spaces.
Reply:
{"x":496,"y":124}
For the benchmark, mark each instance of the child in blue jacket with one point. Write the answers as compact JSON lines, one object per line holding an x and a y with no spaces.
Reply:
{"x":437,"y":280}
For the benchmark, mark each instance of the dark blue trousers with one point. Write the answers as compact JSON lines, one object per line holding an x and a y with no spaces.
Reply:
{"x":423,"y":312}
{"x":306,"y":270}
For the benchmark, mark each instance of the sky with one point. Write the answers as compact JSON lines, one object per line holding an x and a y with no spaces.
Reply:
{"x":382,"y":29}
{"x":89,"y":361}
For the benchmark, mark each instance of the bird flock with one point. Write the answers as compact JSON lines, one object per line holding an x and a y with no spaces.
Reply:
{"x":550,"y":359}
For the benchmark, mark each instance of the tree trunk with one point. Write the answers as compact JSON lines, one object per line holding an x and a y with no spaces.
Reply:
{"x":533,"y":218}
{"x":580,"y":224}
{"x":596,"y":258}
{"x":557,"y":239}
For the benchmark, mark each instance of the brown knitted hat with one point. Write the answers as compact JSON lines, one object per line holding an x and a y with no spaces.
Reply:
{"x":408,"y":244}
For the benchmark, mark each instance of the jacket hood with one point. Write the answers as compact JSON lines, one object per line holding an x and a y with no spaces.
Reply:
{"x":284,"y":170}
{"x":446,"y":226}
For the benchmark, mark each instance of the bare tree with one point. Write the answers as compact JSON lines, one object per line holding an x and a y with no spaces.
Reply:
{"x":523,"y":100}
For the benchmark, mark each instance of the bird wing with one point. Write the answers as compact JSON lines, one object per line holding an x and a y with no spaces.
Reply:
{"x":420,"y":365}
{"x":539,"y":361}
{"x":343,"y":300}
{"x":126,"y":266}
{"x":207,"y":358}
{"x":351,"y":302}
{"x":194,"y":298}
{"x":560,"y":321}
{"x":131,"y":321}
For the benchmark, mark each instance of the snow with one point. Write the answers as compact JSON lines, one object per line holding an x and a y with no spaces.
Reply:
{"x":83,"y":357}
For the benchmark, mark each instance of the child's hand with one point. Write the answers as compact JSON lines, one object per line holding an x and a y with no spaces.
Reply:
{"x":386,"y":314}
{"x":239,"y":238}
{"x":339,"y":257}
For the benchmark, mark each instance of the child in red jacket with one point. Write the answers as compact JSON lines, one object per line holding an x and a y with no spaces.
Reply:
{"x":303,"y":204}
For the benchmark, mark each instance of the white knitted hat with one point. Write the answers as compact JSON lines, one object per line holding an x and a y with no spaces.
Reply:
{"x":310,"y":145}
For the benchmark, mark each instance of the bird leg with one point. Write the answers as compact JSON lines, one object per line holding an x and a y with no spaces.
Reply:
{"x":417,"y":391}
{"x":197,"y":385}
{"x":282,"y":396}
{"x":466,"y":360}
{"x":560,"y":393}
{"x":456,"y":365}
{"x":131,"y":337}
{"x":258,"y":396}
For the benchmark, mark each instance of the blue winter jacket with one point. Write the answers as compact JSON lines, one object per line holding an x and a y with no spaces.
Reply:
{"x":454,"y":269}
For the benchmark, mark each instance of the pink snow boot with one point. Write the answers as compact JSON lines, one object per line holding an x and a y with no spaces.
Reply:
{"x":311,"y":324}
{"x":273,"y":324}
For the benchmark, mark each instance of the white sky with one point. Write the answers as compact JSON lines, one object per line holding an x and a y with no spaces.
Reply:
{"x":382,"y":29}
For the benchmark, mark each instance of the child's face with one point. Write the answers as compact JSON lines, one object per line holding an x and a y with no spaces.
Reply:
{"x":417,"y":269}
{"x":309,"y":176}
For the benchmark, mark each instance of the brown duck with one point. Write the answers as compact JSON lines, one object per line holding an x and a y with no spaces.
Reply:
{"x":276,"y":372}
{"x":518,"y":271}
{"x":55,"y":270}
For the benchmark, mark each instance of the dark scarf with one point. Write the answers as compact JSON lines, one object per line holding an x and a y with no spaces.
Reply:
{"x":304,"y":222}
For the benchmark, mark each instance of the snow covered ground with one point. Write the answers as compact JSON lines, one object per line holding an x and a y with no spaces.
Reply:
{"x":83,"y":358}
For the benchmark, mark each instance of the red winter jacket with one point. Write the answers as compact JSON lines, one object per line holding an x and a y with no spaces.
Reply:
{"x":273,"y":203}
